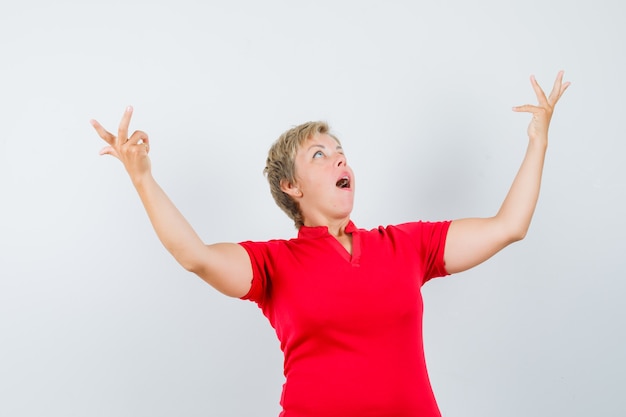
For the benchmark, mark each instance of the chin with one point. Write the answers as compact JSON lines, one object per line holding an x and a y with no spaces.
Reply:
{"x":345,"y":211}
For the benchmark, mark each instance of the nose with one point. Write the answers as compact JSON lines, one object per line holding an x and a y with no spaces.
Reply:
{"x":341,"y":160}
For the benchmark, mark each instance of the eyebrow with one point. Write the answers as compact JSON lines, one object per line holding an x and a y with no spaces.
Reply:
{"x":339,"y":147}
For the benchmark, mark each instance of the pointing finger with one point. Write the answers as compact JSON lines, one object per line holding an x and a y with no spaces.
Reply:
{"x":102,"y":132}
{"x":122,"y":132}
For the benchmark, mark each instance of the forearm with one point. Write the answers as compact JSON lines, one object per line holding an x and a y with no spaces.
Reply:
{"x":518,"y":207}
{"x":225,"y":266}
{"x":171,"y":227}
{"x":472,"y":241}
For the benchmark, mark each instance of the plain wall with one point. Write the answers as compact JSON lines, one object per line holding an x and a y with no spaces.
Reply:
{"x":96,"y":319}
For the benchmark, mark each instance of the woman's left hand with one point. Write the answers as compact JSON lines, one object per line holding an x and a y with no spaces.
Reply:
{"x":542,"y":112}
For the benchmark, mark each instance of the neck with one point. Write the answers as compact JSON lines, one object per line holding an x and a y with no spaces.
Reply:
{"x":336,"y":228}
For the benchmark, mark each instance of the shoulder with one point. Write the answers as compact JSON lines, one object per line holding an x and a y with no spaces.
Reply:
{"x":418,"y":233}
{"x":409,"y":228}
{"x":263,"y":247}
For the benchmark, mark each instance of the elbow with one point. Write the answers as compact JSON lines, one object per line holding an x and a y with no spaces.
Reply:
{"x":190,"y":263}
{"x":517,"y":234}
{"x":512,"y":230}
{"x":191,"y":266}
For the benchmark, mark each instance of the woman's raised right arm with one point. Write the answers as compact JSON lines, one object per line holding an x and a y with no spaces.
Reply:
{"x":225,"y":266}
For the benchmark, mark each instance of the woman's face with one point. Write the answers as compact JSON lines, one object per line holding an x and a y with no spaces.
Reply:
{"x":324,"y":183}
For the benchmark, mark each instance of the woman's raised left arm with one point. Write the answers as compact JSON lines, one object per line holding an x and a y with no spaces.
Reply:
{"x":472,"y":241}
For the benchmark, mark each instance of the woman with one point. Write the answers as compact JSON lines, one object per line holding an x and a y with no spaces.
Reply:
{"x":345,"y":302}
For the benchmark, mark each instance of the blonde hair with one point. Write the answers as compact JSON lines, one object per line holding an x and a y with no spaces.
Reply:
{"x":281,"y":165}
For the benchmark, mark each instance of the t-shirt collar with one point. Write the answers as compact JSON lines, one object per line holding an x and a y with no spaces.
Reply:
{"x":307,"y":232}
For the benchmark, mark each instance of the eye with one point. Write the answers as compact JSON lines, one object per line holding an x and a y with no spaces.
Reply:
{"x":318,"y":154}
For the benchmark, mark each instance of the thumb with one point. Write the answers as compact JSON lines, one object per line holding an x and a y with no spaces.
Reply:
{"x":526,"y":108}
{"x":108,"y":150}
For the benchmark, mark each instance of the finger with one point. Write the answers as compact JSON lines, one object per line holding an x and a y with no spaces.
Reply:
{"x":122,"y":131}
{"x":137,"y":137}
{"x":109,"y":150}
{"x":556,"y":88}
{"x":141,"y":149}
{"x":541,"y":96}
{"x":102,"y":132}
{"x":564,"y":87}
{"x":526,"y":108}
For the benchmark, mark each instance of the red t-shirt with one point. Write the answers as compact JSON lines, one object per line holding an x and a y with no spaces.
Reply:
{"x":350,"y":326}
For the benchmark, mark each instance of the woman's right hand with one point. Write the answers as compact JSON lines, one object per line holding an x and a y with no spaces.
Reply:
{"x":132,"y":151}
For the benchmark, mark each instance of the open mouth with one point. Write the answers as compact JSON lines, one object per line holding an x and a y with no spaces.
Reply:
{"x":344,"y":182}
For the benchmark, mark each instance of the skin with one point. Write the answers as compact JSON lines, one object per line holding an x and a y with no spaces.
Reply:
{"x":320,"y":162}
{"x":473,"y":241}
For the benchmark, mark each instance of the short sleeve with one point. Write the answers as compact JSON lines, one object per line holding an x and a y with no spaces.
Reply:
{"x":430,"y":241}
{"x":260,"y":254}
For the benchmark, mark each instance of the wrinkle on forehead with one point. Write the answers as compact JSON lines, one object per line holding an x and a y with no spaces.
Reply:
{"x":314,"y":136}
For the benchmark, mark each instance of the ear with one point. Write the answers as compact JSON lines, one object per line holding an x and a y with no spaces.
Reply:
{"x":290,"y":189}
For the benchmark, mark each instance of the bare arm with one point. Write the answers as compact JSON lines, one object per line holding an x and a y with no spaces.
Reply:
{"x":225,"y":266}
{"x":473,"y":241}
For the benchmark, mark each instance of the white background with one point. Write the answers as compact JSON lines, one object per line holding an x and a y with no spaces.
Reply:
{"x":96,"y":319}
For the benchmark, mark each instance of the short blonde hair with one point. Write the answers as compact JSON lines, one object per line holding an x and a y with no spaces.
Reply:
{"x":281,"y":165}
